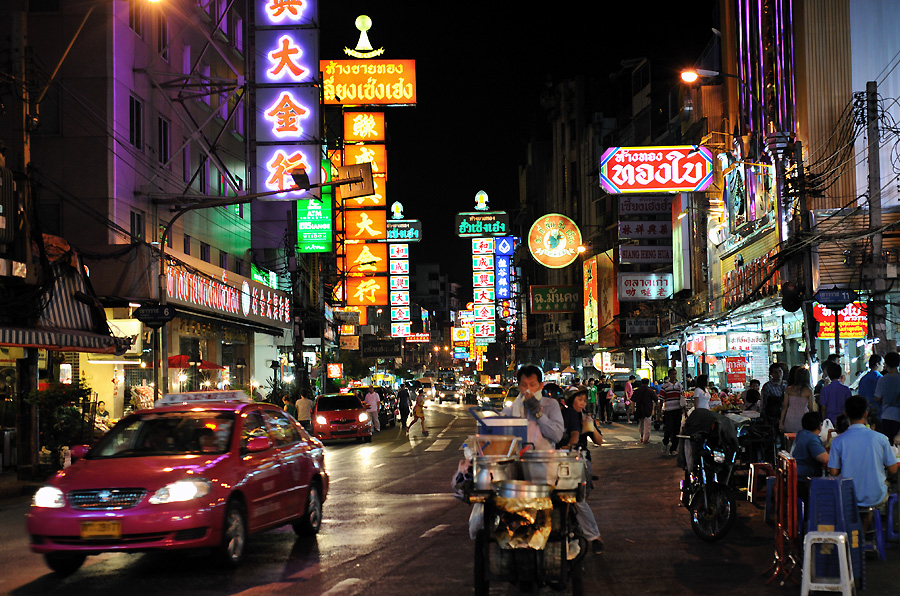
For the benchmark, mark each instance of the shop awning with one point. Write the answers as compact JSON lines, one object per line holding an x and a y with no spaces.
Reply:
{"x":63,"y":340}
{"x":71,"y":318}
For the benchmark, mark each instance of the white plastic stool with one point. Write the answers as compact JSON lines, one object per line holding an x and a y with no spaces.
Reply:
{"x":843,"y":584}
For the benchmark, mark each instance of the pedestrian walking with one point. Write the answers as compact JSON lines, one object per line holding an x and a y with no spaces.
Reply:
{"x":629,"y":401}
{"x":602,"y":392}
{"x":672,"y":394}
{"x":592,"y":397}
{"x":798,"y":400}
{"x":373,"y":401}
{"x":304,"y":411}
{"x":643,"y":409}
{"x":418,"y":412}
{"x":403,"y":404}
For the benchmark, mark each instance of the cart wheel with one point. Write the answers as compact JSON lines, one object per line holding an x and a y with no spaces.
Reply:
{"x":482,"y":585}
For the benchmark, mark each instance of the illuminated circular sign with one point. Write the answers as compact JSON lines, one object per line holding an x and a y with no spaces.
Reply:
{"x":554,"y":240}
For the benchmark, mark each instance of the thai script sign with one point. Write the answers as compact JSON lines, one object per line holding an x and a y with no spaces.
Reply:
{"x":644,"y":205}
{"x":743,"y":341}
{"x":369,"y":82}
{"x":642,"y":326}
{"x":645,"y":254}
{"x":404,"y":230}
{"x":853,"y":322}
{"x":554,"y":240}
{"x":736,"y":370}
{"x":634,"y":287}
{"x":490,"y":223}
{"x":656,"y":169}
{"x":548,"y":299}
{"x":418,"y":338}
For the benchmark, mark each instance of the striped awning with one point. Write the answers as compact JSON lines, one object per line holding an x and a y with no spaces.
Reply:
{"x":63,"y":340}
{"x":72,"y":319}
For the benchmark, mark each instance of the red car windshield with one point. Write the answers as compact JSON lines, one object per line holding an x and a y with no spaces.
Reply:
{"x":167,"y":433}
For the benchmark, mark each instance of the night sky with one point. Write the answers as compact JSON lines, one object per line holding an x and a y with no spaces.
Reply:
{"x":480,"y":69}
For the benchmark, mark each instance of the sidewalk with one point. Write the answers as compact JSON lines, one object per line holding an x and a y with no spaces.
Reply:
{"x":651,"y":549}
{"x":11,"y":487}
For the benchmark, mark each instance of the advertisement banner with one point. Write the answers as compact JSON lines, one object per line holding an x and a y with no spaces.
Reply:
{"x":644,"y":230}
{"x":553,"y":240}
{"x":632,"y":254}
{"x":644,"y":205}
{"x":736,"y":370}
{"x":548,"y":299}
{"x":608,"y":308}
{"x":853,"y":322}
{"x":369,"y":82}
{"x":636,"y":287}
{"x":360,"y":127}
{"x":685,"y":168}
{"x":590,"y":301}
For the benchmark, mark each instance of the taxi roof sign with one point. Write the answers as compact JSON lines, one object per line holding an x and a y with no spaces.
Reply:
{"x":202,"y":396}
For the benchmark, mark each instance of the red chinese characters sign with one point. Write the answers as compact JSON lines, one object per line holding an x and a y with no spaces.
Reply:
{"x":369,"y":82}
{"x":656,"y":169}
{"x":852,"y":320}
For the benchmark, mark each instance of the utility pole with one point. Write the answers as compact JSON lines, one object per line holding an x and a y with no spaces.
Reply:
{"x":878,"y":304}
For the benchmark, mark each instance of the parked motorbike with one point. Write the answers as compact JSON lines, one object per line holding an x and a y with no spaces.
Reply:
{"x":705,"y":490}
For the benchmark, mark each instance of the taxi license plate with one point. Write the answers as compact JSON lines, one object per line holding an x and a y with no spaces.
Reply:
{"x":101,"y":529}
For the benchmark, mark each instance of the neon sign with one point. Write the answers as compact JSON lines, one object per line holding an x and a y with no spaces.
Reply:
{"x":286,"y":12}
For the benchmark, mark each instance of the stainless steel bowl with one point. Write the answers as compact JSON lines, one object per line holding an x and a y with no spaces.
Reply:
{"x":520,"y":489}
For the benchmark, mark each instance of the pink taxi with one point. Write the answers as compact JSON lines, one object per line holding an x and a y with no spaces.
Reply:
{"x":205,"y":470}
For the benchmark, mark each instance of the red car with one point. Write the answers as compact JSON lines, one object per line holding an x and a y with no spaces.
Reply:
{"x":341,"y":416}
{"x":194,"y":474}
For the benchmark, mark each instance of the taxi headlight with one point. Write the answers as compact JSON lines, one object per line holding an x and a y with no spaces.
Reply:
{"x":182,"y":490}
{"x":507,"y":403}
{"x":321,"y":420}
{"x":49,"y":497}
{"x":363,"y":417}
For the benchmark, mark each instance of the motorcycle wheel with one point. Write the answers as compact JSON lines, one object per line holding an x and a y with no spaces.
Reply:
{"x":712,"y":521}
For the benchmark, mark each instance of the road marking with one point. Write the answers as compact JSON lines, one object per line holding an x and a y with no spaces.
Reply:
{"x":439,"y":445}
{"x":402,"y":448}
{"x":336,"y":480}
{"x":343,"y":586}
{"x":435,"y":530}
{"x":378,"y":466}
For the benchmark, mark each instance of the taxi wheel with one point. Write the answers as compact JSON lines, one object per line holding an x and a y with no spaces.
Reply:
{"x":63,"y":563}
{"x":311,"y":521}
{"x":367,"y":439}
{"x":234,"y":536}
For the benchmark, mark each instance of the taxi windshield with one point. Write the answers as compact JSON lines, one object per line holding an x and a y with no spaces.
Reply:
{"x":167,"y":433}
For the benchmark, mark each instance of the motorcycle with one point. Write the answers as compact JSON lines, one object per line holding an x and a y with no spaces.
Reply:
{"x":705,"y":490}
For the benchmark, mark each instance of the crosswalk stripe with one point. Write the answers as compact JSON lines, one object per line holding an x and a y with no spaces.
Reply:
{"x":439,"y":445}
{"x":402,"y":448}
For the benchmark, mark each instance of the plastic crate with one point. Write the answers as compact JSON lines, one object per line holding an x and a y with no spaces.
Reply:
{"x":489,"y":423}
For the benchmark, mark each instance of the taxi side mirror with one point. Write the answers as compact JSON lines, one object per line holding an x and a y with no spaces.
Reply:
{"x":78,"y":451}
{"x":257,"y":444}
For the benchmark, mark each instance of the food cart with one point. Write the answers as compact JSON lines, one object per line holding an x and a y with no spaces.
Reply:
{"x":523,"y":519}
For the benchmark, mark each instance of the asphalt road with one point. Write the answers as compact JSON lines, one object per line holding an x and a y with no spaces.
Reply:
{"x":391,"y":526}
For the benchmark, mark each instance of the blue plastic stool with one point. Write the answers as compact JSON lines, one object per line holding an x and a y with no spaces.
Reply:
{"x":878,"y":547}
{"x":892,"y":506}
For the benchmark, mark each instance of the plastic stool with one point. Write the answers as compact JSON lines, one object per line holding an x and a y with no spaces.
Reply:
{"x":842,"y":584}
{"x":892,"y":506}
{"x":878,"y":547}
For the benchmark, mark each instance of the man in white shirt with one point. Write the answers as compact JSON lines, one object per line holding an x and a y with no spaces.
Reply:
{"x":545,"y":421}
{"x":372,"y":403}
{"x":304,"y":411}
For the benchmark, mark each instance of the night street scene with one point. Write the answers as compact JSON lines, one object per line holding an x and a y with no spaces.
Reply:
{"x":624,"y":321}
